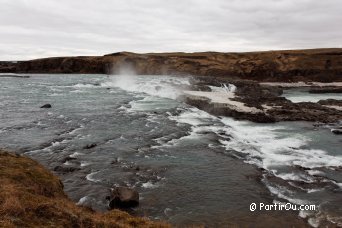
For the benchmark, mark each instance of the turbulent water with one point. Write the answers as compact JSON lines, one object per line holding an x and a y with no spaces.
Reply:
{"x":189,"y":167}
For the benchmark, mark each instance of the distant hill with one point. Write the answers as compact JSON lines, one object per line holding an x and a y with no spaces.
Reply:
{"x":323,"y":65}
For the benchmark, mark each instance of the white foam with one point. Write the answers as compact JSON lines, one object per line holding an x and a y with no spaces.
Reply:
{"x":83,"y":200}
{"x":78,"y":91}
{"x":267,"y":147}
{"x":295,"y":177}
{"x":284,"y":193}
{"x":149,"y":103}
{"x":90,"y":177}
{"x":226,"y":88}
{"x":75,"y":155}
{"x":165,"y":86}
{"x":149,"y":184}
{"x":84,"y":86}
{"x":338,"y":184}
{"x":84,"y":164}
{"x":314,"y":190}
{"x":75,"y":130}
{"x":315,"y":172}
{"x":68,"y":163}
{"x":173,"y":142}
{"x":265,"y":143}
{"x":194,"y":117}
{"x":313,"y":222}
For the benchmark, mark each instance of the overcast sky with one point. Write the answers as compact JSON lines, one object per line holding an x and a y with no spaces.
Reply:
{"x":41,"y":28}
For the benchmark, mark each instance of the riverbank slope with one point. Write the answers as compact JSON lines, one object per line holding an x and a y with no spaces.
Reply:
{"x":31,"y":196}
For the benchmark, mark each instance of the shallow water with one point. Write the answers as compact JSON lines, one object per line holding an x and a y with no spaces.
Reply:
{"x":189,"y":167}
{"x":302,"y":95}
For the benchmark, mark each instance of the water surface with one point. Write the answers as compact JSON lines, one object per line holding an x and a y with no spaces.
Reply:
{"x":189,"y":167}
{"x":297,"y":95}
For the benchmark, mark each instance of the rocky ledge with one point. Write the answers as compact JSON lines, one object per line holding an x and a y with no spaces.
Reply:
{"x":31,"y":196}
{"x":258,"y":103}
{"x":326,"y":90}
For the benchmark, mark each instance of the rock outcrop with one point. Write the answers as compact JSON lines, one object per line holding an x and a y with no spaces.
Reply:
{"x":123,"y":197}
{"x":297,"y":65}
{"x":259,"y":103}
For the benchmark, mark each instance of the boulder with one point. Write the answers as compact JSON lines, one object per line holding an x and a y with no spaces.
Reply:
{"x":337,"y":131}
{"x":123,"y":197}
{"x":46,"y":106}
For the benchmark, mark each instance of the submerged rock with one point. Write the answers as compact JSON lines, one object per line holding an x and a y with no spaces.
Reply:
{"x":46,"y":106}
{"x":89,"y":146}
{"x":123,"y":197}
{"x":65,"y":169}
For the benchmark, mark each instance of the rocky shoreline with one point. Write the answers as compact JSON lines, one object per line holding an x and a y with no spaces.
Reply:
{"x":31,"y":196}
{"x":261,"y":103}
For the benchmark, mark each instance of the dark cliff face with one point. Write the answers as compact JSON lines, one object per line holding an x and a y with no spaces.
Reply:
{"x":7,"y":67}
{"x":301,"y":65}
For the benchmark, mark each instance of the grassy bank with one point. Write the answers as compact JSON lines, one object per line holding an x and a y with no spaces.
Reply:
{"x":31,"y":196}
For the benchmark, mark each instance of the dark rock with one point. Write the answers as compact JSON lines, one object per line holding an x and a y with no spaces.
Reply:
{"x":89,"y":146}
{"x":123,"y":197}
{"x":222,"y":110}
{"x":318,"y":124}
{"x":14,"y":76}
{"x":46,"y":106}
{"x":337,"y":131}
{"x":66,"y":169}
{"x":326,"y":90}
{"x":115,"y":161}
{"x":330,"y":102}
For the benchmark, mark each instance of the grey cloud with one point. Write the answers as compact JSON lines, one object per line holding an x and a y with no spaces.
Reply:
{"x":42,"y":28}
